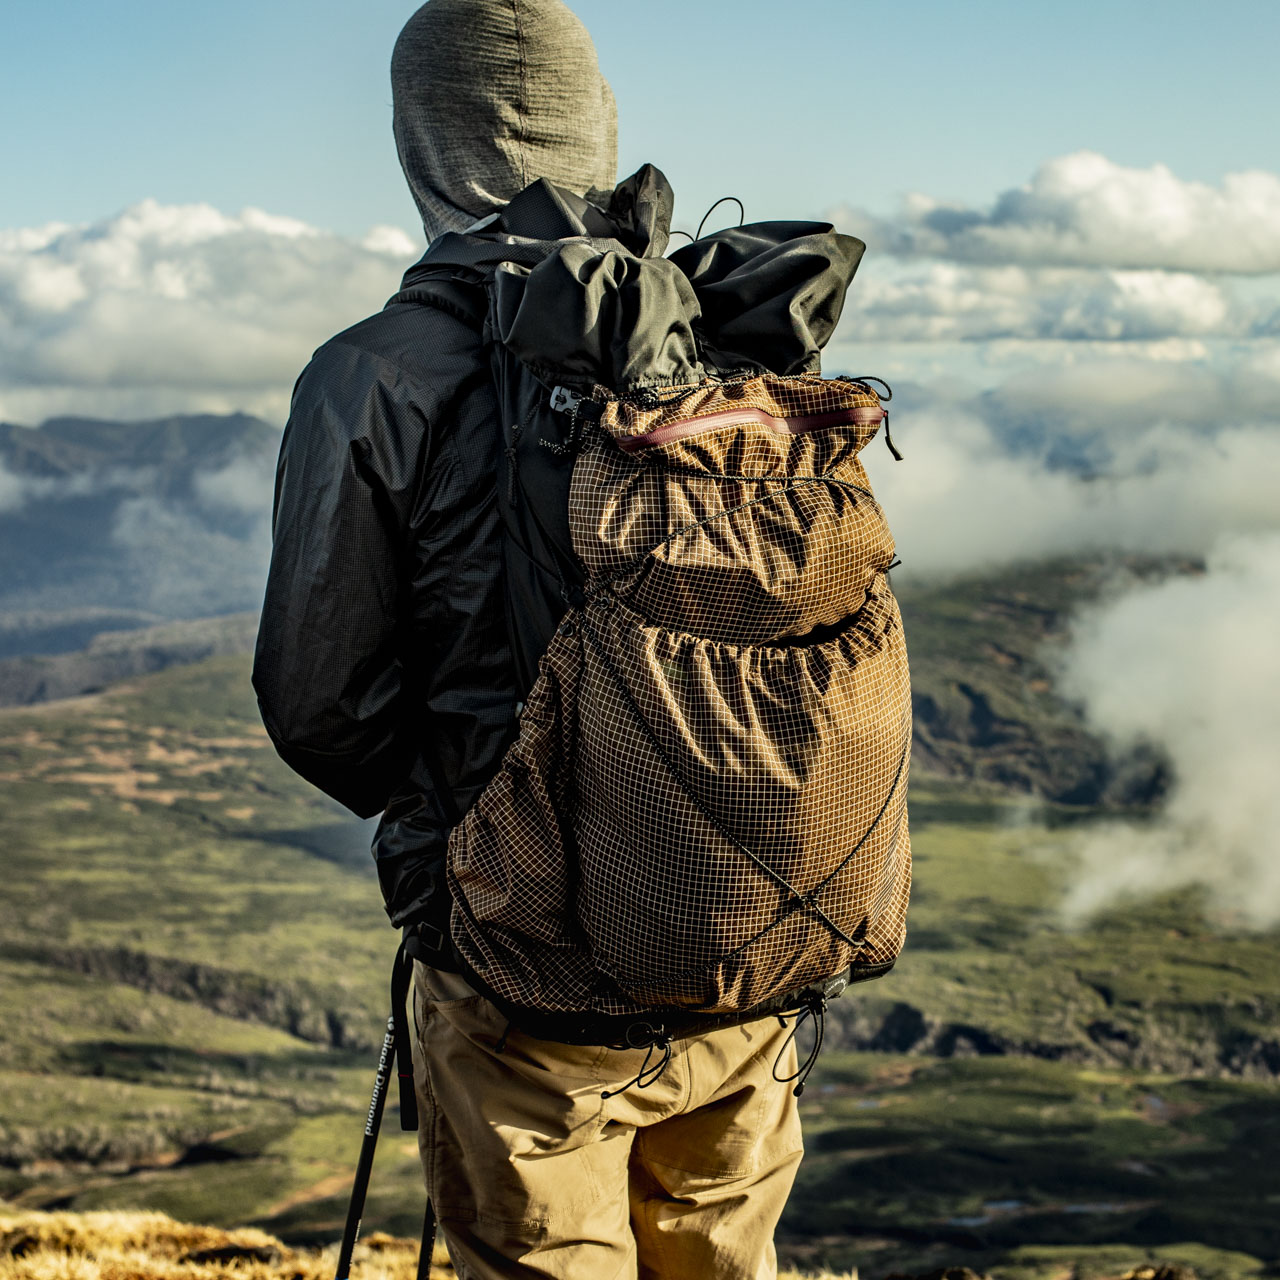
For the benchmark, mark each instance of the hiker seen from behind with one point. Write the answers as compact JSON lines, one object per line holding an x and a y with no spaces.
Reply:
{"x":578,"y":581}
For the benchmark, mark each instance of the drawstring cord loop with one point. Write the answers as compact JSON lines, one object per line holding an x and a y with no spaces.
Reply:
{"x":817,"y":1010}
{"x":647,"y":1075}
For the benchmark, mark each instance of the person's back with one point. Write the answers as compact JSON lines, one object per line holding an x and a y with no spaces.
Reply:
{"x":391,"y":674}
{"x":396,"y":642}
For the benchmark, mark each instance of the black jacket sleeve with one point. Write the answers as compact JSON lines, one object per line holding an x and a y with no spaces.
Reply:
{"x":328,"y":667}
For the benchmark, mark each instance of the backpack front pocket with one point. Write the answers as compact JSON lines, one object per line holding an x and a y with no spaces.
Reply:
{"x":723,"y":851}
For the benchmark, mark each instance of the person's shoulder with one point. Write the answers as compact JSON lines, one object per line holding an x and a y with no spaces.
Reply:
{"x":417,"y":349}
{"x":420,"y":341}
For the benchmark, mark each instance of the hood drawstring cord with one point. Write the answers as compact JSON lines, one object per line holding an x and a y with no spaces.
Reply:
{"x":888,"y":439}
{"x":742,"y":213}
{"x":817,"y":1010}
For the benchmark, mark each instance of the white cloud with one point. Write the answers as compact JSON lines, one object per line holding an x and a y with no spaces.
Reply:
{"x":1112,"y":394}
{"x":966,"y":501}
{"x":947,"y":302}
{"x":1085,"y":210}
{"x":166,"y":309}
{"x":178,"y":308}
{"x":182,"y":566}
{"x":29,"y":239}
{"x":1191,"y":666}
{"x":390,"y":241}
{"x":244,"y":485}
{"x":17,"y":490}
{"x":13,"y":494}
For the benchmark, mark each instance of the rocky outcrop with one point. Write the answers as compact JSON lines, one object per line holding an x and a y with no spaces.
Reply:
{"x":113,"y":656}
{"x":1139,"y":1043}
{"x":302,"y":1011}
{"x":984,"y":695}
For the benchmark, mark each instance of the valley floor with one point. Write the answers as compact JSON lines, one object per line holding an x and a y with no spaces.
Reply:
{"x":192,"y":978}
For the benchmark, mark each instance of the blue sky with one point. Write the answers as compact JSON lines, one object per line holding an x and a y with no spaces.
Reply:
{"x":284,"y":104}
{"x":1043,"y":188}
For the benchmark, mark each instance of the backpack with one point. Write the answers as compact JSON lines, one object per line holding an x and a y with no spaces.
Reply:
{"x":702,"y":818}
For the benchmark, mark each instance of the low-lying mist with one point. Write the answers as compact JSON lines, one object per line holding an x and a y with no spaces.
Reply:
{"x":1192,"y":666}
{"x":1189,"y":665}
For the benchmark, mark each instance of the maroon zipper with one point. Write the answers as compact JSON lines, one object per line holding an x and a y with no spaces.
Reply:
{"x":862,"y":414}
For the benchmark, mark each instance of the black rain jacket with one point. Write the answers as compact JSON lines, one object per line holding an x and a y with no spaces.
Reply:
{"x":383,"y":667}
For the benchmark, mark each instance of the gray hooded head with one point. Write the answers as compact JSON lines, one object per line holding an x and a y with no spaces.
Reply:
{"x":491,"y":95}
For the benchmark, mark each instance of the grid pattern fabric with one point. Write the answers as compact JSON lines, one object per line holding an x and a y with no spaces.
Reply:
{"x":706,"y":805}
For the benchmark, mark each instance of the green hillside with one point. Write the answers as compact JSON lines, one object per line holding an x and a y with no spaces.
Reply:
{"x":192,"y":980}
{"x":983,"y":691}
{"x":119,"y":524}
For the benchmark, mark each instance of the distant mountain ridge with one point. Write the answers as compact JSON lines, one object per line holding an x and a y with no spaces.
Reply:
{"x":985,"y":709}
{"x":175,"y":446}
{"x":113,"y":656}
{"x":52,"y":631}
{"x":154,"y":520}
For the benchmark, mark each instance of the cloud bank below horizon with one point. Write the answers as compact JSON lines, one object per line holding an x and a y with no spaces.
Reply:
{"x":178,"y":308}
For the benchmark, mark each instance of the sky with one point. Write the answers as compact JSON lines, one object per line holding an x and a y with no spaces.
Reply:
{"x":284,"y":104}
{"x":1072,"y":279}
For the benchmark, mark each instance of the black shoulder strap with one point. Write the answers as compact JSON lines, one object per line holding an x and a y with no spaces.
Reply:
{"x":464,"y":299}
{"x":533,"y":479}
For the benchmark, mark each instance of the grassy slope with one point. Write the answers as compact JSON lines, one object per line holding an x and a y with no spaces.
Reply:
{"x":990,"y":965}
{"x":1022,"y":1164}
{"x":152,"y":1246}
{"x":155,"y":821}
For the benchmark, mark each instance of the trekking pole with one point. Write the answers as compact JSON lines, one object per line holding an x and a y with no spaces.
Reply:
{"x":428,"y":1245}
{"x":395,"y":1045}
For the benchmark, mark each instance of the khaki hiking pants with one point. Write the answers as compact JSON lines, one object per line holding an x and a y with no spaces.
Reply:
{"x":534,"y":1173}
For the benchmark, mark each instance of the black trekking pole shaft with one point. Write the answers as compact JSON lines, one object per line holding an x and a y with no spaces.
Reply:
{"x":428,"y":1245}
{"x":373,"y":1122}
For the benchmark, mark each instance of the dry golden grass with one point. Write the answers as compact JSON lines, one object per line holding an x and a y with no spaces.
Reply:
{"x":152,"y":1246}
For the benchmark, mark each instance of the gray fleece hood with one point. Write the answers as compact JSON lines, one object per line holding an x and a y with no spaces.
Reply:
{"x":491,"y":95}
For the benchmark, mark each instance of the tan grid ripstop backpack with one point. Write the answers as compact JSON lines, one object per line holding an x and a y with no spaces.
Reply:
{"x":704,"y":815}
